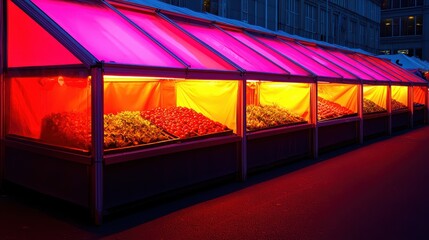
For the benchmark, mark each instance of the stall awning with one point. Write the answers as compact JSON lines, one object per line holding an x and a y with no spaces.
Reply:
{"x":105,"y":34}
{"x":293,"y":68}
{"x":191,"y":52}
{"x":250,"y":61}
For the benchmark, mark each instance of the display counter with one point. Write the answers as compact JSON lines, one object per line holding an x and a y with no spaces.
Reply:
{"x":163,"y":134}
{"x":376,"y":119}
{"x":338,"y":123}
{"x":401,"y":111}
{"x":278,"y":123}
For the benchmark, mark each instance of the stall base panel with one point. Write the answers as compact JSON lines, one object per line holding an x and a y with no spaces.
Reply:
{"x":400,"y":121}
{"x":375,"y":127}
{"x":268,"y":151}
{"x":419,"y":116}
{"x":338,"y":135}
{"x":149,"y":178}
{"x":47,"y":175}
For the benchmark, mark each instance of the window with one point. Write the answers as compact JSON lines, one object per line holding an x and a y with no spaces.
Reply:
{"x":407,"y":3}
{"x":386,"y":4}
{"x":418,"y":53}
{"x":419,"y":25}
{"x":408,"y":25}
{"x":353,"y":33}
{"x":395,"y":4}
{"x":322,"y":26}
{"x":395,"y":26}
{"x":419,"y":3}
{"x":289,"y":15}
{"x":245,"y":10}
{"x":310,"y":18}
{"x":386,"y":27}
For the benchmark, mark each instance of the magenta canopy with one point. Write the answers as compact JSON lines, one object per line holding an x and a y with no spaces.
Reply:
{"x":194,"y":54}
{"x":286,"y":50}
{"x":285,"y":63}
{"x":105,"y":34}
{"x":240,"y":54}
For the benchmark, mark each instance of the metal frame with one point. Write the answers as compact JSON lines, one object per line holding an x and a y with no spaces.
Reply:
{"x":97,"y":147}
{"x":3,"y":65}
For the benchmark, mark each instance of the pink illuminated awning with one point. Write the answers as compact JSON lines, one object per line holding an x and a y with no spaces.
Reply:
{"x":400,"y":73}
{"x":346,"y":65}
{"x":238,"y":53}
{"x":195,"y":55}
{"x":105,"y":34}
{"x":315,"y":67}
{"x":293,"y":68}
{"x":364,"y":66}
{"x":321,"y":60}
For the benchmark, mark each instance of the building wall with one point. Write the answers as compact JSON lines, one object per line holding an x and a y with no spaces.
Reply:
{"x":351,"y":23}
{"x":405,"y":29}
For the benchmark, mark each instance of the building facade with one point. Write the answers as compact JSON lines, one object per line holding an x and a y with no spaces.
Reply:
{"x":404,"y":28}
{"x":351,"y":23}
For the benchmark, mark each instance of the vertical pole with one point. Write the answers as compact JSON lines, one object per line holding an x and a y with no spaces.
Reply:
{"x":97,"y":129}
{"x":411,"y":105}
{"x":426,"y":116}
{"x":266,"y":13}
{"x":2,"y":87}
{"x":360,"y":113}
{"x":242,"y":132}
{"x":389,"y":109}
{"x":313,"y":116}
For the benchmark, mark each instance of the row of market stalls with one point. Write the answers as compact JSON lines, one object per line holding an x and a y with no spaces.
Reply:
{"x":110,"y":102}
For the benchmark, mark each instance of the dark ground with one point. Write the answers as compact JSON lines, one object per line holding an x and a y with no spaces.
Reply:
{"x":376,"y":191}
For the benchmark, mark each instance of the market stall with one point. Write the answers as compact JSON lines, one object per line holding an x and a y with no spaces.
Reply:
{"x":103,"y":128}
{"x":128,"y":103}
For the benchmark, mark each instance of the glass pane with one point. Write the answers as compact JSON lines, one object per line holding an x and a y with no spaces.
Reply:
{"x":41,"y":50}
{"x":419,"y":25}
{"x":297,"y":56}
{"x":322,"y":61}
{"x":189,"y":50}
{"x":349,"y":66}
{"x":288,"y":65}
{"x":105,"y":34}
{"x":50,"y":109}
{"x":231,"y":48}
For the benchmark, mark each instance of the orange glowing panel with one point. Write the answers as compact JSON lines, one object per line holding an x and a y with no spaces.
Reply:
{"x":28,"y":44}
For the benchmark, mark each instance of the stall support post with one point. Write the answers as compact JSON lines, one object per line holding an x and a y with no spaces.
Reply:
{"x":360,"y":113}
{"x":313,"y":116}
{"x":97,"y":129}
{"x":2,"y":86}
{"x":411,"y":105}
{"x":241,"y":131}
{"x":426,"y":117}
{"x":389,"y":108}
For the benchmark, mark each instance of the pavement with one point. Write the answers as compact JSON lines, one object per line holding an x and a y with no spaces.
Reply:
{"x":379,"y":190}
